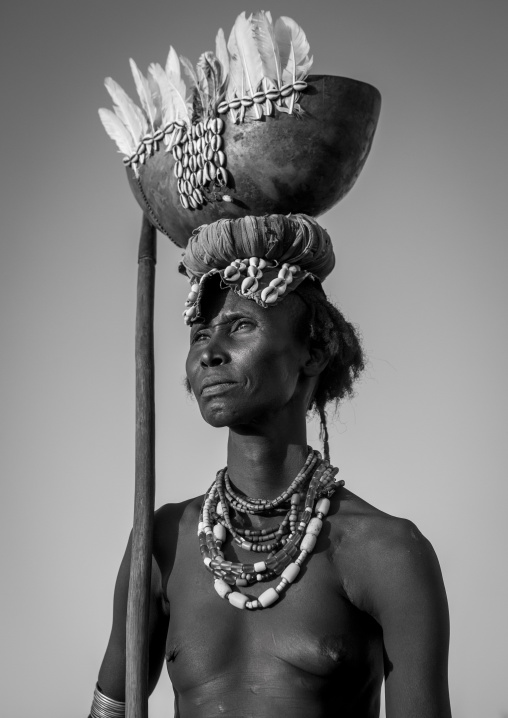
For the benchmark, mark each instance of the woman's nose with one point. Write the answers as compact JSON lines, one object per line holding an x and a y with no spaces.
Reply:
{"x":214,"y":353}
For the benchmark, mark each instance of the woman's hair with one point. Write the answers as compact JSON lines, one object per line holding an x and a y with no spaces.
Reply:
{"x":323,"y":325}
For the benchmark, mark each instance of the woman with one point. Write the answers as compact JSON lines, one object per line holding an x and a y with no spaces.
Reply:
{"x":366,"y":600}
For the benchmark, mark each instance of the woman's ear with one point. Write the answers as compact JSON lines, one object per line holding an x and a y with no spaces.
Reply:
{"x":316,"y":361}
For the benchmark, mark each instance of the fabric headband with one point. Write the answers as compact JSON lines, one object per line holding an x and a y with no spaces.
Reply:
{"x":260,"y":258}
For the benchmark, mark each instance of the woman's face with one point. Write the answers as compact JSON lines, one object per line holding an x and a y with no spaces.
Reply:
{"x":245,"y":362}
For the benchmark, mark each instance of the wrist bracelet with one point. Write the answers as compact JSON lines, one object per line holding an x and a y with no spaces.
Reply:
{"x":104,"y":707}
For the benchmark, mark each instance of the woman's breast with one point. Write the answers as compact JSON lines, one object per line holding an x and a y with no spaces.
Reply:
{"x":310,"y":640}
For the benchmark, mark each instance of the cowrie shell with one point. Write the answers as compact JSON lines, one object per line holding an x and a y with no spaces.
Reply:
{"x":269,"y":295}
{"x":299,"y":86}
{"x":249,"y":285}
{"x":231,"y":274}
{"x":254,"y":272}
{"x":222,"y":175}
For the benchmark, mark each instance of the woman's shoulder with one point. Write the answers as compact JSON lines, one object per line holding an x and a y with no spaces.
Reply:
{"x":172,"y":522}
{"x":182,"y":511}
{"x":377,"y":553}
{"x":362,"y":524}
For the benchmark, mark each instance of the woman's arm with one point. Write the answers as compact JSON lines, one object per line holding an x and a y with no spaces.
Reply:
{"x":408,"y":599}
{"x":112,"y":672}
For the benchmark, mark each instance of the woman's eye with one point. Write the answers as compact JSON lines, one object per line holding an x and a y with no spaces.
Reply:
{"x":242,"y":324}
{"x":198,"y":336}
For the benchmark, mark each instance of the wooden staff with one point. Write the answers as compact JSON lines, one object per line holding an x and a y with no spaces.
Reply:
{"x":136,"y":687}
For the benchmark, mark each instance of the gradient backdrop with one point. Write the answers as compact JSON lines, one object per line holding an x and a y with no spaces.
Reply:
{"x":421,"y":246}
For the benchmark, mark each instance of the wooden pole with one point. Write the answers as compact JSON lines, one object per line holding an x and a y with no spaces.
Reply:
{"x":136,"y":686}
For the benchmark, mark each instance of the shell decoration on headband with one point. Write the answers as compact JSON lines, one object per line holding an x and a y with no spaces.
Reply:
{"x":260,"y":258}
{"x":247,"y":132}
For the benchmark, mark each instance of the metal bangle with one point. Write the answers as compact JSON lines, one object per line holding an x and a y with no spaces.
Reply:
{"x":104,"y":707}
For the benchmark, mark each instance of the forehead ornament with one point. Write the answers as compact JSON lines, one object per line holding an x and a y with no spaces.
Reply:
{"x":259,"y":258}
{"x":251,"y":278}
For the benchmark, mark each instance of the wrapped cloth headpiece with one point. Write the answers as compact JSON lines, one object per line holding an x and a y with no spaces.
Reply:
{"x":260,"y":258}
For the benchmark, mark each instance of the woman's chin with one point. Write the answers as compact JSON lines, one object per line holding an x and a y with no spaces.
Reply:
{"x":216,"y":413}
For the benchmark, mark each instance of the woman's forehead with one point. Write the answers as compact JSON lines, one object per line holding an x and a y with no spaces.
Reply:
{"x":220,"y":303}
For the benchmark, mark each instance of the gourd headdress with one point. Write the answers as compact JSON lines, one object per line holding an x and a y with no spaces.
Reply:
{"x":247,"y":133}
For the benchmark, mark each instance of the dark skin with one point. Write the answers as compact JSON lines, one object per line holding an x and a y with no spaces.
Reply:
{"x":369,"y":603}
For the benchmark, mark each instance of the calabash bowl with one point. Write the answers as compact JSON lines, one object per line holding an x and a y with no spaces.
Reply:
{"x":278,"y":165}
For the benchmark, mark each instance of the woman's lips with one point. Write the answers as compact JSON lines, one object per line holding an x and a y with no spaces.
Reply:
{"x":217,"y":388}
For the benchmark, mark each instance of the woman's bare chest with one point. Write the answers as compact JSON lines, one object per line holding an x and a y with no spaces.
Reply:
{"x":313,"y":632}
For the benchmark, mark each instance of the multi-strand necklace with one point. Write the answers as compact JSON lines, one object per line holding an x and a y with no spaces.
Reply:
{"x":303,"y":506}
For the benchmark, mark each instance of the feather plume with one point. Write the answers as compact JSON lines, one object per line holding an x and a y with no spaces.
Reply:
{"x":294,"y":50}
{"x":129,"y":113}
{"x":173,"y":105}
{"x":144,"y":92}
{"x":173,"y":70}
{"x":209,"y":72}
{"x":203,"y":75}
{"x":118,"y":132}
{"x":189,"y":70}
{"x":221,"y":52}
{"x":174,"y":74}
{"x":177,"y":84}
{"x":197,"y":100}
{"x":235,"y":86}
{"x":264,"y":36}
{"x":156,"y":99}
{"x":172,"y":88}
{"x":248,"y":53}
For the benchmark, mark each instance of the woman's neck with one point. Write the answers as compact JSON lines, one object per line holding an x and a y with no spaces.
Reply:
{"x":262,"y":465}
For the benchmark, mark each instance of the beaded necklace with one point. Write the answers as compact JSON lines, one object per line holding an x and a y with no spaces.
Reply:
{"x":296,"y":534}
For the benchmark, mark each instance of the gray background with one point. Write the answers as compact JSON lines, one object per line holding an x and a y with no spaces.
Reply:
{"x":421,"y":247}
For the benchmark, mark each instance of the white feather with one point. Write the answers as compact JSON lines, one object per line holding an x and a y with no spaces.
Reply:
{"x":174,"y":74}
{"x":189,"y":69}
{"x":144,"y":92}
{"x":236,"y":82}
{"x":117,"y":131}
{"x":173,"y":104}
{"x":197,"y":99}
{"x":268,"y":49}
{"x":221,"y":52}
{"x":130,"y":114}
{"x":156,"y":98}
{"x":172,"y":68}
{"x":294,"y":50}
{"x":210,"y":75}
{"x":248,"y":53}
